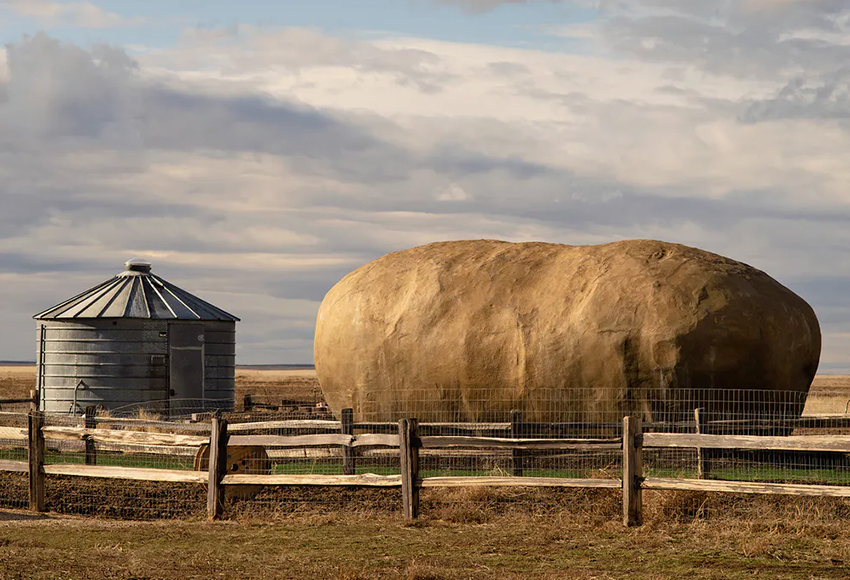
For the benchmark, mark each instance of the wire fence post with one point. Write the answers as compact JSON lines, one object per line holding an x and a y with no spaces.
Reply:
{"x":517,"y":455}
{"x":217,"y":467}
{"x":632,"y":471}
{"x":36,"y":460}
{"x":91,"y":423}
{"x":702,"y":459}
{"x":348,"y":462}
{"x":408,"y":443}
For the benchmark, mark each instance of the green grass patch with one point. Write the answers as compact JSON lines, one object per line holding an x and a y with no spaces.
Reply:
{"x":750,"y":473}
{"x":123,"y":460}
{"x":760,"y":473}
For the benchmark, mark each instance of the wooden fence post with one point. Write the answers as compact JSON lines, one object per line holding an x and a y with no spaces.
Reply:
{"x":91,"y":452}
{"x":36,"y":460}
{"x":347,"y":420}
{"x":632,"y":471}
{"x":517,"y":455}
{"x":408,"y":443}
{"x":702,"y":459}
{"x":217,"y":468}
{"x":247,"y":403}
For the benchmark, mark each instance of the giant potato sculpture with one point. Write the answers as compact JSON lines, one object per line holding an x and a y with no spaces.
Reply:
{"x":468,"y":330}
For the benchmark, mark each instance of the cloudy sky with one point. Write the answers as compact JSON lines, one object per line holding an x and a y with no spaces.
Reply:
{"x":257,"y":151}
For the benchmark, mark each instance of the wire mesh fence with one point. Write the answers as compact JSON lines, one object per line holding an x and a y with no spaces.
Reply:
{"x":14,"y":485}
{"x":592,"y":414}
{"x":110,"y":439}
{"x":589,"y":409}
{"x":110,"y":443}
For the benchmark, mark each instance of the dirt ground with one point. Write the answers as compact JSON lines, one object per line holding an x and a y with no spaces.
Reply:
{"x":781,"y":538}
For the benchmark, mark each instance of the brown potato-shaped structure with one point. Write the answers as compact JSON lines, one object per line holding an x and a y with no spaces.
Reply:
{"x":469,"y":330}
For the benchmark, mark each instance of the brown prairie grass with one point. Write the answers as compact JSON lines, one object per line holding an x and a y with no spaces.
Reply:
{"x":16,"y":382}
{"x":484,"y":533}
{"x":578,"y":535}
{"x":487,"y":533}
{"x":275,"y":386}
{"x":829,"y":393}
{"x":271,"y":386}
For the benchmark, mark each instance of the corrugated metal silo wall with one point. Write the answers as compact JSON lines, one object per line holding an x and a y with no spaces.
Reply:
{"x":120,"y":362}
{"x":220,"y":361}
{"x":123,"y":362}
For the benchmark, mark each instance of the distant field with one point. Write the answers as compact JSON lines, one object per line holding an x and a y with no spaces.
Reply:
{"x":270,"y":384}
{"x":16,"y":381}
{"x":277,"y":367}
{"x":275,"y":385}
{"x":831,"y":382}
{"x":829,"y":393}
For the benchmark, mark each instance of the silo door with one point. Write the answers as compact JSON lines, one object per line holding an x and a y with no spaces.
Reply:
{"x":186,"y":360}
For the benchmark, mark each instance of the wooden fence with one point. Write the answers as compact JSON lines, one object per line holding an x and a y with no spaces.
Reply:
{"x":408,"y":439}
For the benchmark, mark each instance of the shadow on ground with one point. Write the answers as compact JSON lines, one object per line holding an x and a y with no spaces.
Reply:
{"x":16,"y":516}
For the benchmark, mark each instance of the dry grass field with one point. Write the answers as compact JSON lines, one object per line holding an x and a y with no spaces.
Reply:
{"x":784,"y":538}
{"x":277,"y":385}
{"x":16,"y":381}
{"x":464,"y":533}
{"x":829,"y":394}
{"x":273,"y":385}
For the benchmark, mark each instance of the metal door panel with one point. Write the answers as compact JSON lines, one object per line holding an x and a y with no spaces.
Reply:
{"x":186,"y":360}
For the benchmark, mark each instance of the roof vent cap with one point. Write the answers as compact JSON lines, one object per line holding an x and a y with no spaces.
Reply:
{"x":137,"y":265}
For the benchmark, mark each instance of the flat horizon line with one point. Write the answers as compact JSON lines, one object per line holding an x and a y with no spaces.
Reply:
{"x":25,"y":363}
{"x":839,"y":371}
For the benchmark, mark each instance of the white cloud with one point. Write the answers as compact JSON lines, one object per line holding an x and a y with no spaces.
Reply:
{"x":648,"y":124}
{"x":756,"y":5}
{"x":747,"y":5}
{"x":71,"y":14}
{"x":258,"y":166}
{"x":452,"y":192}
{"x":486,"y":5}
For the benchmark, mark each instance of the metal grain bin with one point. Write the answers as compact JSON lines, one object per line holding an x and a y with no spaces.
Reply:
{"x":136,"y":340}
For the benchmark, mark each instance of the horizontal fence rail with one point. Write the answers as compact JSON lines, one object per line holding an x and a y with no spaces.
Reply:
{"x":661,"y":483}
{"x":789,"y":443}
{"x":363,"y":480}
{"x":446,"y":442}
{"x":488,"y":481}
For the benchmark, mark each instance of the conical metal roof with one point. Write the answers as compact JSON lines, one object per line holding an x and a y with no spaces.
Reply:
{"x":136,"y":293}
